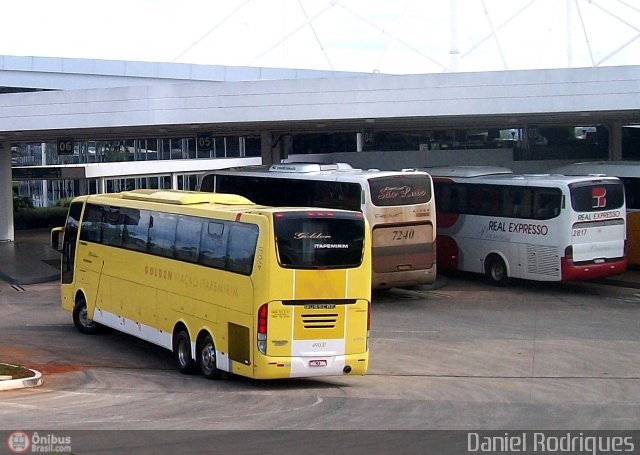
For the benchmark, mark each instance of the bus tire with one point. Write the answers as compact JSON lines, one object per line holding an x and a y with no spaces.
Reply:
{"x":182,"y":352}
{"x":207,"y":358}
{"x":496,"y":270}
{"x":81,"y":319}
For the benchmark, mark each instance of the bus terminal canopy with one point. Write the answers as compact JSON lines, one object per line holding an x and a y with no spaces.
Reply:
{"x":90,"y":100}
{"x":351,"y":102}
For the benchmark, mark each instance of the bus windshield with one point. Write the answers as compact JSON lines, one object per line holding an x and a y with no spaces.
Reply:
{"x":404,"y":189}
{"x":319,"y":240}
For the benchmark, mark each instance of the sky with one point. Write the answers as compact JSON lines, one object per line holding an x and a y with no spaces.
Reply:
{"x":386,"y":36}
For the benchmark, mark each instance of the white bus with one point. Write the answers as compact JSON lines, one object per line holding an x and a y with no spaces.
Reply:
{"x":399,"y":206}
{"x":536,"y":227}
{"x":629,"y":173}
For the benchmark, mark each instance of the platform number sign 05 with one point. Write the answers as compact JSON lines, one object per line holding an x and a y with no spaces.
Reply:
{"x":205,"y":142}
{"x":65,"y":146}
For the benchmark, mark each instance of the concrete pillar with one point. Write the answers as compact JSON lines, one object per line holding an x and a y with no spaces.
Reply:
{"x":359,"y":142}
{"x":45,"y":183}
{"x":615,"y":141}
{"x":266,"y":147}
{"x":102,"y":185}
{"x":6,"y":195}
{"x":271,"y":148}
{"x":174,"y":181}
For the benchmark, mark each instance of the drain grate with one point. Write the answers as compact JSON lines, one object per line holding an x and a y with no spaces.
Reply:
{"x":18,"y":288}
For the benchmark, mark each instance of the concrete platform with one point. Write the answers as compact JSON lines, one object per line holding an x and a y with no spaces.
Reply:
{"x":29,"y":259}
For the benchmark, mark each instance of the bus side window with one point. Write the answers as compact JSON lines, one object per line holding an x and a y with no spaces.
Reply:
{"x":162,"y":234}
{"x":242,"y":247}
{"x":449,"y":198}
{"x":112,"y":227}
{"x":515,"y":203}
{"x":135,"y":234}
{"x":475,"y":200}
{"x":213,"y":245}
{"x":462,"y":200}
{"x":547,"y":204}
{"x":188,"y":239}
{"x":91,"y":223}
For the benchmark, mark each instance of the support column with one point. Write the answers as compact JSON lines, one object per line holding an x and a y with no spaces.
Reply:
{"x":45,"y":183}
{"x":6,"y":195}
{"x":359,"y":142}
{"x":174,"y":181}
{"x":271,"y":150}
{"x":102,"y":185}
{"x":615,"y":141}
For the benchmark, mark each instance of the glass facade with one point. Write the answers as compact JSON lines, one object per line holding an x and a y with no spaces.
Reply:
{"x":528,"y":143}
{"x":48,"y":192}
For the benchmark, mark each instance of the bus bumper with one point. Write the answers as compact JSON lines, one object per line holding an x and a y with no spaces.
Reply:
{"x":591,"y":271}
{"x":302,"y":367}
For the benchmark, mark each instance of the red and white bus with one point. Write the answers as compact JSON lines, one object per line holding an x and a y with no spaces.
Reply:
{"x":536,"y":227}
{"x":629,"y":173}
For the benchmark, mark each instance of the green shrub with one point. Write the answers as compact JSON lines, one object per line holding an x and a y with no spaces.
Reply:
{"x":22,"y":202}
{"x":38,"y":218}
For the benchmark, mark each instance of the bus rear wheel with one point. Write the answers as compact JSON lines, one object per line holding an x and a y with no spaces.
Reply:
{"x":81,"y":318}
{"x":182,"y":352}
{"x":207,"y":358}
{"x":496,"y":270}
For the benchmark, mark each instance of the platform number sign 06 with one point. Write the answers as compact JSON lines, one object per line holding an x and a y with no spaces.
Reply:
{"x":65,"y":146}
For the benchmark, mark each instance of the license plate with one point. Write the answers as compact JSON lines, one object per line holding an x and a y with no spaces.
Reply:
{"x":317,"y":363}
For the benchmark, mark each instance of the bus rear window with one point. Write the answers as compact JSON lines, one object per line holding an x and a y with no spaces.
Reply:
{"x":595,"y":197}
{"x":319,"y":239}
{"x":405,"y":189}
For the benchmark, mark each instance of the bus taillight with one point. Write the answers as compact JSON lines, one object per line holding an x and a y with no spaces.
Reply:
{"x":368,"y":318}
{"x":263,"y":313}
{"x":568,"y":253}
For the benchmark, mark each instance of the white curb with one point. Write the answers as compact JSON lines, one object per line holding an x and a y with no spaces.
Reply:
{"x":34,"y":381}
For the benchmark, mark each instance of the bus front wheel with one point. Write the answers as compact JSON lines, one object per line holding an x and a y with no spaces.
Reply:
{"x":496,"y":271}
{"x":182,"y":352}
{"x":207,"y":358}
{"x":81,"y":318}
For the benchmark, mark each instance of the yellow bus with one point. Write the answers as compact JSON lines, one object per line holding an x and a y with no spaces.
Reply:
{"x":225,"y":284}
{"x":629,"y":173}
{"x":398,"y":205}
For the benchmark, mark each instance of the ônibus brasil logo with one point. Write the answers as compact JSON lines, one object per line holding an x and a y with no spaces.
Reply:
{"x":599,"y":197}
{"x":19,"y":442}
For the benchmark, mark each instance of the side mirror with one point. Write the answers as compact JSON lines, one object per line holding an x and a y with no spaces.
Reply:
{"x":57,"y":236}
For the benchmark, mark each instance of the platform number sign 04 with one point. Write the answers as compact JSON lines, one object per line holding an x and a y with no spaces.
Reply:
{"x":205,"y":142}
{"x":65,"y":146}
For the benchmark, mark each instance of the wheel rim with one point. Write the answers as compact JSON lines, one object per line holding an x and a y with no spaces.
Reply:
{"x":184,"y":352}
{"x":84,"y":319}
{"x":497,"y":271}
{"x":208,"y":358}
